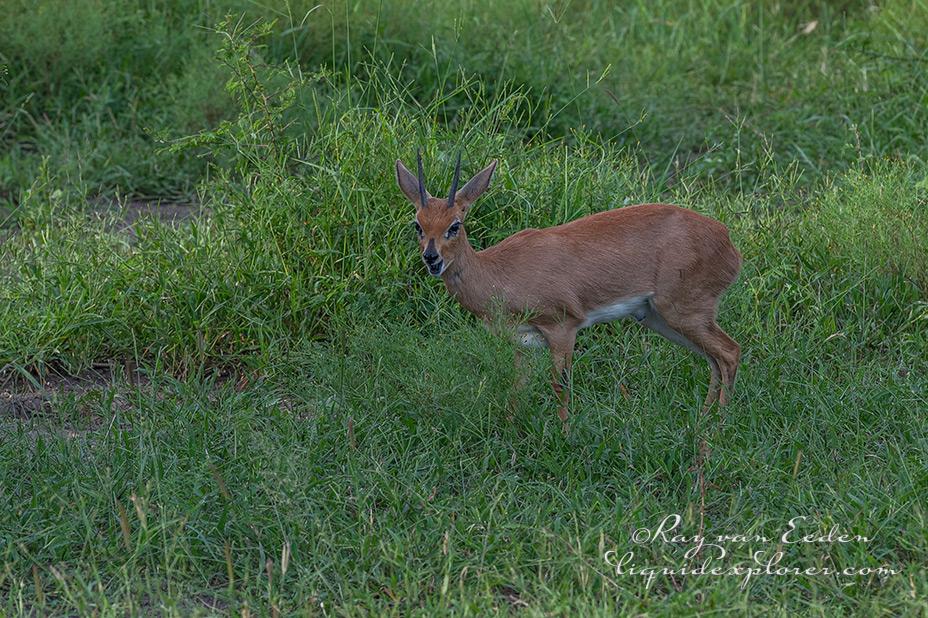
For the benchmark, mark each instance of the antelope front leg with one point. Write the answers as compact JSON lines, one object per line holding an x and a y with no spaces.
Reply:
{"x":518,"y":384}
{"x":561,"y":342}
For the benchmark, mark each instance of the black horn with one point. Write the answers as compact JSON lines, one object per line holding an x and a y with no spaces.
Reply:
{"x":421,"y":181}
{"x":454,"y":183}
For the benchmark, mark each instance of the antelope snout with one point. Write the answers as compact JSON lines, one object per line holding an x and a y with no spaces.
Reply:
{"x":434,"y":263}
{"x":432,"y":259}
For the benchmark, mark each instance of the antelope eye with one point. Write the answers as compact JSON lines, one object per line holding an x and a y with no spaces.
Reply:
{"x":418,"y":228}
{"x":453,"y":230}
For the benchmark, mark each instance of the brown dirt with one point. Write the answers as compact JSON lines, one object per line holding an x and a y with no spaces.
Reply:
{"x":25,"y":398}
{"x":169,"y":213}
{"x":129,"y":213}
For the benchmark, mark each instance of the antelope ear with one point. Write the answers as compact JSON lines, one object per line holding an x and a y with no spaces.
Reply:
{"x":476,"y":186}
{"x":408,"y":184}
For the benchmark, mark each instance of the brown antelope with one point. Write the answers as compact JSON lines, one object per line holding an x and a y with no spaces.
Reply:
{"x":662,"y":265}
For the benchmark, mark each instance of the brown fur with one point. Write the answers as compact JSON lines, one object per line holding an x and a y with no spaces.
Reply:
{"x":553,"y":278}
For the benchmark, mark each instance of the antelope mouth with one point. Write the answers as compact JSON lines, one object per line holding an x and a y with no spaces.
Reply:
{"x":436,"y":268}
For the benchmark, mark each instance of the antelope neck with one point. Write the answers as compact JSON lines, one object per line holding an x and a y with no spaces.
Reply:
{"x":466,"y":279}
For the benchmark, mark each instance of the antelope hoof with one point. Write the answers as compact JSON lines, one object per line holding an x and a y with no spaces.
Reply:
{"x":565,"y":428}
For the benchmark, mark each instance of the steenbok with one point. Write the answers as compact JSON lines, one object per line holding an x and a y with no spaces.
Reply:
{"x":662,"y":265}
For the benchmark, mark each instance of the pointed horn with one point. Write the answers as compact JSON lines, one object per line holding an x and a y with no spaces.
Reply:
{"x":421,"y":181}
{"x":454,"y":183}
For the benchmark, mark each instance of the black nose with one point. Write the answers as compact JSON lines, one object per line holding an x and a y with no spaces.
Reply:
{"x":431,"y":255}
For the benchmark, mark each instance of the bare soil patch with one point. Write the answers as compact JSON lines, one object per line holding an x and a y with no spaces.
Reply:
{"x":167,"y":212}
{"x":25,"y":397}
{"x":127,"y":213}
{"x":130,"y":213}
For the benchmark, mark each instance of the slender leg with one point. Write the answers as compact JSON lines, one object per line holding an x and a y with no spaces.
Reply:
{"x":715,"y":384}
{"x":725,"y":352}
{"x":519,"y":361}
{"x":561,"y":339}
{"x":656,"y":322}
{"x":525,"y":336}
{"x":696,"y":329}
{"x":519,"y":383}
{"x":729,"y":359}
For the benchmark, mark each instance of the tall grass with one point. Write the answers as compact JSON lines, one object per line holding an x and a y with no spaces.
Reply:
{"x":305,"y":229}
{"x":719,"y":87}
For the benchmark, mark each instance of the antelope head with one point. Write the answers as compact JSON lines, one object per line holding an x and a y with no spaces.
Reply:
{"x":439,"y":221}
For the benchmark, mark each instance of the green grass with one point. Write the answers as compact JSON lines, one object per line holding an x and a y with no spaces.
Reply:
{"x":716,"y":86}
{"x":435,"y":502}
{"x":313,"y":399}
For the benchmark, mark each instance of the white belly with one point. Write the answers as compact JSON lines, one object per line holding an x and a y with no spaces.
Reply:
{"x":635,"y":306}
{"x":530,"y":337}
